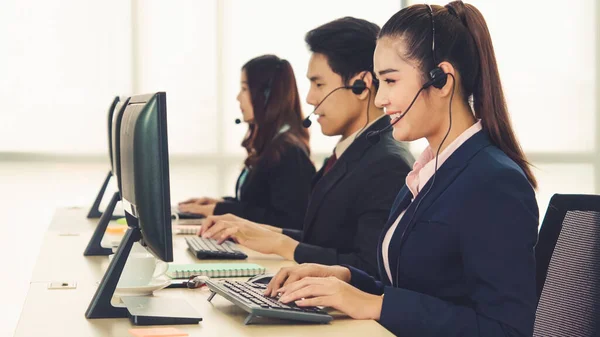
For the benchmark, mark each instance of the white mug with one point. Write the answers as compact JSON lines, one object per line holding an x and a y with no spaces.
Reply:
{"x":141,"y":268}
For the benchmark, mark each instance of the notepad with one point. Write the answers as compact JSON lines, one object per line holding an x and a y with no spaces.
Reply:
{"x":178,"y":271}
{"x":186,"y":230}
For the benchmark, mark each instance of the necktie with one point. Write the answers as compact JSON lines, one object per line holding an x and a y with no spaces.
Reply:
{"x":330,"y":162}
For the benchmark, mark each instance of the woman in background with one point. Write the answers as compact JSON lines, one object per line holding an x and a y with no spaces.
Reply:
{"x":274,"y":185}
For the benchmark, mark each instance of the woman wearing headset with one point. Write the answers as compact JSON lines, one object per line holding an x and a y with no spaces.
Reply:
{"x":457,"y":255}
{"x":275,"y":184}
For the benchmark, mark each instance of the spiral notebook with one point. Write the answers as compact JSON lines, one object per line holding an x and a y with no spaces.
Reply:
{"x":178,"y":271}
{"x":186,"y":229}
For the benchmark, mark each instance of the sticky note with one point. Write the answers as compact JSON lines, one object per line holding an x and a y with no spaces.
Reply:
{"x":158,"y":332}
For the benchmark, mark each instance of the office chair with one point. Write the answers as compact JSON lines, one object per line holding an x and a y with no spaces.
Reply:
{"x":568,"y":268}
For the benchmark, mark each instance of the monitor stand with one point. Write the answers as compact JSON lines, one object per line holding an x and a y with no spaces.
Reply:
{"x":94,"y":212}
{"x":94,"y":248}
{"x":150,"y":310}
{"x":141,"y":310}
{"x":100,"y":306}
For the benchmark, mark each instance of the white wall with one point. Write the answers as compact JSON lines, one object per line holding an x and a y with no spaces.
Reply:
{"x":66,"y":59}
{"x":61,"y":63}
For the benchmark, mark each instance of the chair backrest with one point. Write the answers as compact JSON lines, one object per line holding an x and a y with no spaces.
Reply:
{"x":568,"y":268}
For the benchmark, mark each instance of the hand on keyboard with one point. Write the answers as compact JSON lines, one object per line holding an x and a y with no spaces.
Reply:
{"x":249,"y":296}
{"x":335,"y":293}
{"x":249,"y":234}
{"x":201,"y":201}
{"x":210,"y":249}
{"x":205,"y":210}
{"x":289,"y":275}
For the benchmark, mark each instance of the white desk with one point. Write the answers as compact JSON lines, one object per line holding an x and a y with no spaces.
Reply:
{"x":71,"y":220}
{"x":61,"y":312}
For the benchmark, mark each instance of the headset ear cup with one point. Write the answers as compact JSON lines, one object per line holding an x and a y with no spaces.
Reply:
{"x":438,"y":78}
{"x":358,"y":87}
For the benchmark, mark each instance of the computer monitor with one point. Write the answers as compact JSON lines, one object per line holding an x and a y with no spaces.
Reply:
{"x":94,"y":246}
{"x":94,"y":212}
{"x":145,"y":190}
{"x":145,"y":172}
{"x":116,"y":141}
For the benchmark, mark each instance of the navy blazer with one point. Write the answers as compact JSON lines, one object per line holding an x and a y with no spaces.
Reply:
{"x":467,"y":267}
{"x":349,"y":205}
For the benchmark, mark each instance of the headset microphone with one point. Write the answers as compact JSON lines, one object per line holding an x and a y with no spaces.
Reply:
{"x":357,"y":88}
{"x":374,"y":136}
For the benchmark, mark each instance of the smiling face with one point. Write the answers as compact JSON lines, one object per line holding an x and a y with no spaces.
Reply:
{"x":400,"y":80}
{"x":340,"y":113}
{"x":245,"y":100}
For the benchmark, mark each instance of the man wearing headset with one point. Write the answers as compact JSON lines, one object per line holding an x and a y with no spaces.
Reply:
{"x":354,"y":190}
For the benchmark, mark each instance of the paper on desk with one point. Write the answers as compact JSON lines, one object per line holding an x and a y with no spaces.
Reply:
{"x":158,"y":332}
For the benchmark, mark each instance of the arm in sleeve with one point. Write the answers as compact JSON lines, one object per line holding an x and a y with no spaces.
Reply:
{"x":289,"y":184}
{"x":373,"y":203}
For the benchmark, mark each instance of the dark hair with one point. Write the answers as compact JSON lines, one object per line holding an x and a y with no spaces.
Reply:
{"x":462,"y":38}
{"x":276,"y":102}
{"x":348,"y":43}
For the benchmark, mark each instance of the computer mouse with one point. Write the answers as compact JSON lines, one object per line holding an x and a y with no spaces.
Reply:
{"x":262,"y":278}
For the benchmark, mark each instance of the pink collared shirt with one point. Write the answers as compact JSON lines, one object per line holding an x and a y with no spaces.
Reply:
{"x":422,"y":171}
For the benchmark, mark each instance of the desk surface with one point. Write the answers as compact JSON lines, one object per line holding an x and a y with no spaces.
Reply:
{"x":61,"y":312}
{"x":71,"y":220}
{"x":61,"y":258}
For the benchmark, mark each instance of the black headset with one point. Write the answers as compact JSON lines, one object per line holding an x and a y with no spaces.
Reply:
{"x":358,"y":86}
{"x":437,"y":79}
{"x":267,"y":91}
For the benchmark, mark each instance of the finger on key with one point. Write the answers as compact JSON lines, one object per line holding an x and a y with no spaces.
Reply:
{"x":277,"y":282}
{"x":217,"y":227}
{"x":226,"y":234}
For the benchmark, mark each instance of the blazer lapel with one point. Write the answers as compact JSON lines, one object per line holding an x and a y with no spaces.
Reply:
{"x":237,"y":185}
{"x":323,"y":183}
{"x":402,"y":201}
{"x":318,"y":175}
{"x":320,"y":190}
{"x":447,"y":173}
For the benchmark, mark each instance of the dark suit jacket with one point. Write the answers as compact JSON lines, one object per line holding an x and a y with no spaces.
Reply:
{"x":467,"y":267}
{"x":274,"y":194}
{"x":349,"y":205}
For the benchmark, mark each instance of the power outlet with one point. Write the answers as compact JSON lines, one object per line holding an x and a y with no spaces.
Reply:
{"x":62,"y":285}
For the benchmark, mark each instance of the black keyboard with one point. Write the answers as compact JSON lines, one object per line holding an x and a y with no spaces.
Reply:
{"x":249,"y":296}
{"x":209,"y":249}
{"x":184,"y":215}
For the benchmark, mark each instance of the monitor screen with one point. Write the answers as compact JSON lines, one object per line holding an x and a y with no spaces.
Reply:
{"x":111,"y":112}
{"x":144,"y":172}
{"x":116,"y":141}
